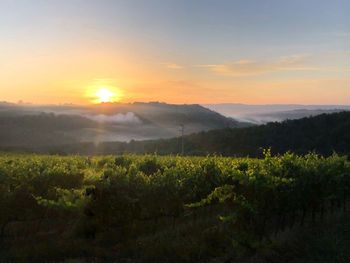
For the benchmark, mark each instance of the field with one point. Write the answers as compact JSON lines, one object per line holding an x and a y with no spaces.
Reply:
{"x":163,"y":208}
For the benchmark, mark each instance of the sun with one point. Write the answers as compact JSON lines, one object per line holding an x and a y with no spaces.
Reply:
{"x":104,"y":95}
{"x":97,"y":94}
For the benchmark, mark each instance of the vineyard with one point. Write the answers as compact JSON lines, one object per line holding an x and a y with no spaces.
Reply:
{"x":151,"y":207}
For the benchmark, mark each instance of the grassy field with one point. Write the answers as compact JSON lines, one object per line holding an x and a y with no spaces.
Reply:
{"x":174,"y":209}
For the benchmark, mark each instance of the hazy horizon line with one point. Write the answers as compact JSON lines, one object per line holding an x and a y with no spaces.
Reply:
{"x":25,"y":103}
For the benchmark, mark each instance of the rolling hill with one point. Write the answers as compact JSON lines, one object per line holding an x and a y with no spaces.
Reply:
{"x":32,"y":126}
{"x":324,"y":134}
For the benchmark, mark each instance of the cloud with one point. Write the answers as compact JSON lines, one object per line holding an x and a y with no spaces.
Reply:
{"x":253,"y":67}
{"x":171,"y":65}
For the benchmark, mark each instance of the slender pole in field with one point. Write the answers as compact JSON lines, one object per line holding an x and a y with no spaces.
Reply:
{"x":182,"y":129}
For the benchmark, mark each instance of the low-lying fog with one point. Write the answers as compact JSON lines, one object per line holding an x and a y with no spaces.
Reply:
{"x":260,"y":114}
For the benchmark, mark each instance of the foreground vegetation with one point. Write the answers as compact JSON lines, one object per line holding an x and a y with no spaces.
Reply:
{"x":164,"y":209}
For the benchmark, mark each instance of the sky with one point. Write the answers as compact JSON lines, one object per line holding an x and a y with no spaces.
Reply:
{"x":175,"y":51}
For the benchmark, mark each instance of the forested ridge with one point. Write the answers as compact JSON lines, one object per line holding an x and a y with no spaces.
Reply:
{"x":323,"y":134}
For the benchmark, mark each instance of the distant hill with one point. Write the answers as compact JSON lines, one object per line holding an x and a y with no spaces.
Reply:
{"x":260,"y":114}
{"x":38,"y":126}
{"x":324,"y":134}
{"x":280,"y":116}
{"x":195,"y":117}
{"x":43,"y":129}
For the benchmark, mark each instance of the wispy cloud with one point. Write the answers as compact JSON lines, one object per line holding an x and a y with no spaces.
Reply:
{"x":253,"y":67}
{"x":171,"y":65}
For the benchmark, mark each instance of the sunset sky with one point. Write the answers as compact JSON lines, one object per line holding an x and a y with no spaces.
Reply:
{"x":178,"y":51}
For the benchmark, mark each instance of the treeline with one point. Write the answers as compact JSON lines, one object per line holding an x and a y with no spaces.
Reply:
{"x":324,"y":134}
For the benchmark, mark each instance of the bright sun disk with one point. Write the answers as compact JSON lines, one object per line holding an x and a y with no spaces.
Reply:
{"x":104,"y":95}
